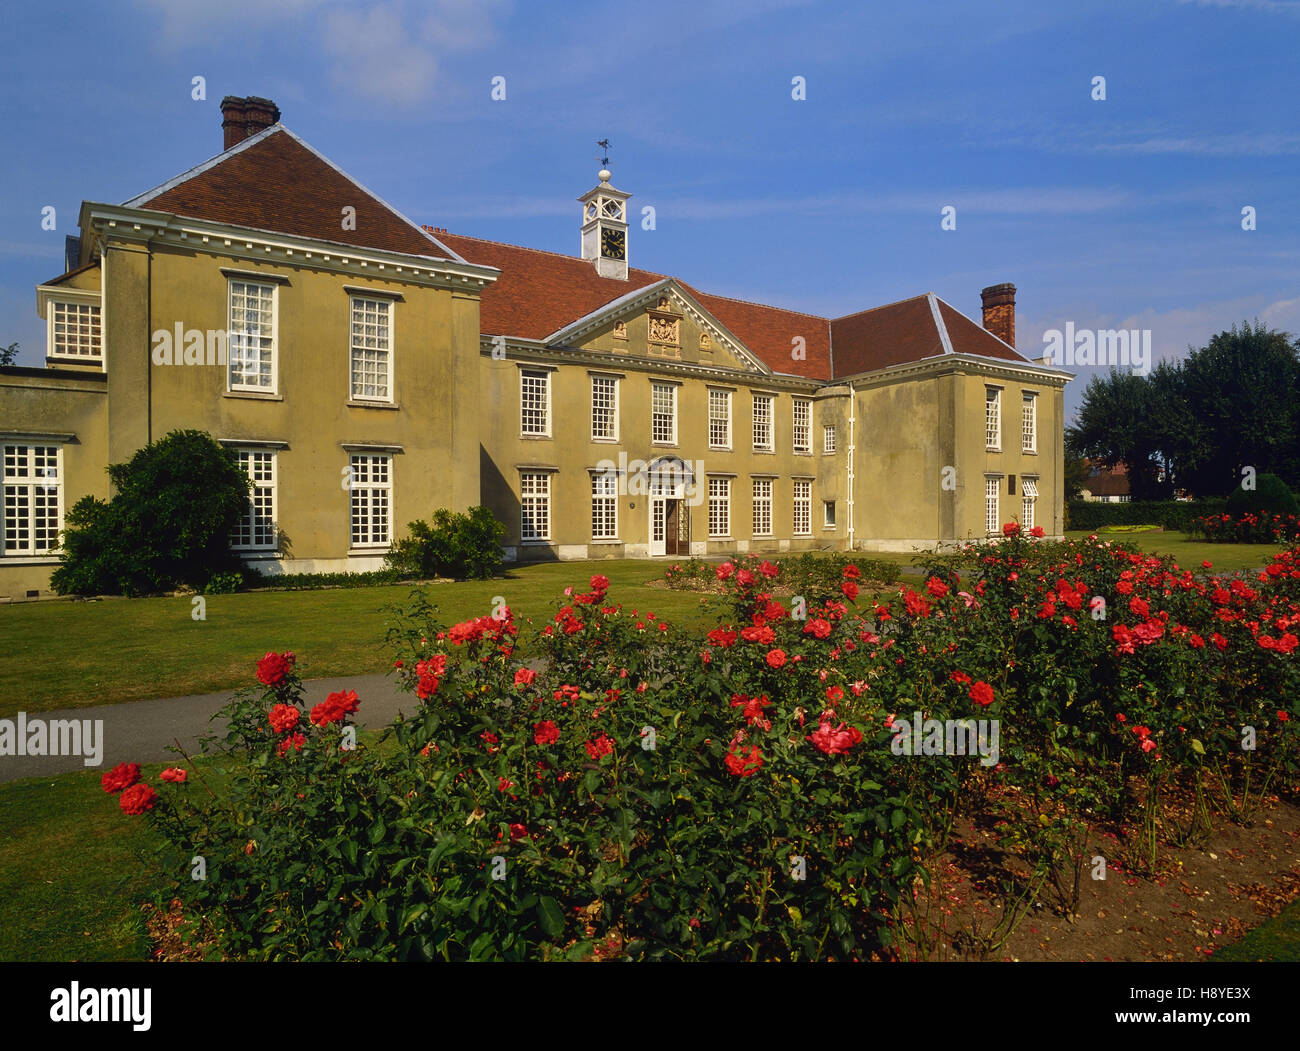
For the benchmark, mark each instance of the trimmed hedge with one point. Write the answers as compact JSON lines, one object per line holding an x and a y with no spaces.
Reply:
{"x":1178,"y":515}
{"x":254,"y":578}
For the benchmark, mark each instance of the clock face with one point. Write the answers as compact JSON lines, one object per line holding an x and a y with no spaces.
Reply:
{"x":613,"y":243}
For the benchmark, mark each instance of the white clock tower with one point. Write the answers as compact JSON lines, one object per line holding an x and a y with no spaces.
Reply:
{"x":604,"y":228}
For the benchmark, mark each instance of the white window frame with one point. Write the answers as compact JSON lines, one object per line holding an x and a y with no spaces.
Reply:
{"x":724,"y":442}
{"x":1029,"y":422}
{"x":992,"y":513}
{"x":1028,"y":498}
{"x":355,"y":301}
{"x":802,"y":430}
{"x":764,"y":419}
{"x":657,"y":388}
{"x":545,"y":376}
{"x":719,"y":508}
{"x":802,"y":508}
{"x":993,"y":419}
{"x":612,"y":436}
{"x":90,"y":301}
{"x":828,"y":514}
{"x":249,"y":523}
{"x":604,"y":505}
{"x":762,"y":502}
{"x":534,"y":494}
{"x":828,"y":437}
{"x":20,"y":483}
{"x":378,"y":501}
{"x":274,"y":375}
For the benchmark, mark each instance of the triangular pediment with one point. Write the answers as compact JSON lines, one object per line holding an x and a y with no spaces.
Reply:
{"x":660,"y":322}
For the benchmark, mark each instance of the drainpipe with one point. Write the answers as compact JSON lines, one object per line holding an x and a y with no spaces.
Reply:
{"x":849,"y":459}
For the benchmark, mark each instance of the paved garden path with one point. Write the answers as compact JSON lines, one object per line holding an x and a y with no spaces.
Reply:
{"x":140,"y":731}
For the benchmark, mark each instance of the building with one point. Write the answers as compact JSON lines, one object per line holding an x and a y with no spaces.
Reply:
{"x":368,"y":370}
{"x":1106,"y":485}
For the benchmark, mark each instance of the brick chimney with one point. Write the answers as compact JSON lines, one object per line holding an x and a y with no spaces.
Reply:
{"x":1000,"y":311}
{"x":242,"y":117}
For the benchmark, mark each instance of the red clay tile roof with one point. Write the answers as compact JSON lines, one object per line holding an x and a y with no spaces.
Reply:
{"x":969,"y":338}
{"x":278,"y":183}
{"x":770,"y":333}
{"x":888,"y":335}
{"x":539,"y":293}
{"x":274,"y":181}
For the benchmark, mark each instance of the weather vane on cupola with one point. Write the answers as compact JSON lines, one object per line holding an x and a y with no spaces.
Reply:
{"x":604,"y":145}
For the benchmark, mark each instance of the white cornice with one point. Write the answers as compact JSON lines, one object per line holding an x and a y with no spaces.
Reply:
{"x":134,"y":225}
{"x":534,"y":351}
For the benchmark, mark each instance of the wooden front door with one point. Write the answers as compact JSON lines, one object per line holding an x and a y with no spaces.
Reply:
{"x":677,"y":528}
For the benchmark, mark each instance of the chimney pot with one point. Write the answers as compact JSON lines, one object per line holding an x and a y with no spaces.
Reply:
{"x":999,"y":303}
{"x":242,"y":117}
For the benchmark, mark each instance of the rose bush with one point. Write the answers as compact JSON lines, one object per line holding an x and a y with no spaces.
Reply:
{"x":639,"y":791}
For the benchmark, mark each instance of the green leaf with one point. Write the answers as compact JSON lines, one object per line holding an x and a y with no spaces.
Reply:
{"x":550,"y":916}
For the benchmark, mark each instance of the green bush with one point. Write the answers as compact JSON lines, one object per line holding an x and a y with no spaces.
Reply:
{"x":462,"y":546}
{"x":254,"y":578}
{"x":1176,"y":515}
{"x":224,"y":584}
{"x":177,"y":501}
{"x":1271,"y":496}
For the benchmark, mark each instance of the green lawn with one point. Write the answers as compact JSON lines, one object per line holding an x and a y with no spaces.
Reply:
{"x":73,"y":871}
{"x":1275,"y":940}
{"x":78,"y":654}
{"x":1188,"y":552}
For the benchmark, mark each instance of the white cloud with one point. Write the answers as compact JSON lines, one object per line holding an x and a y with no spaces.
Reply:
{"x":390,"y":52}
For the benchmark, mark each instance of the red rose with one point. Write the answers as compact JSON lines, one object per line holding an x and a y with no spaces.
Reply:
{"x":852,"y":572}
{"x":849,"y":589}
{"x":1011,"y":529}
{"x":1037,"y":532}
{"x":525,"y":677}
{"x":517,"y":831}
{"x":602,"y":745}
{"x":294,"y":741}
{"x":124,"y":775}
{"x":724,"y":571}
{"x":274,"y":668}
{"x":769,"y":570}
{"x":335,"y":708}
{"x":746,"y":763}
{"x":600,"y":583}
{"x":835,"y":741}
{"x":936,"y":587}
{"x":982,"y":693}
{"x":721,"y":637}
{"x":137,"y":799}
{"x":546,"y":732}
{"x":776,"y":658}
{"x":745,"y":578}
{"x":284,"y":717}
{"x":175,"y":774}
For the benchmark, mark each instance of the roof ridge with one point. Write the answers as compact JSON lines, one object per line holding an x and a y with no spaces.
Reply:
{"x":1019,"y":353}
{"x":882,"y":306}
{"x":768,"y":306}
{"x":543,"y":251}
{"x":141,"y":199}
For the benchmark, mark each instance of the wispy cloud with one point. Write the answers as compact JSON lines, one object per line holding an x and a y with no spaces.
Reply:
{"x":1275,"y":7}
{"x":390,"y":52}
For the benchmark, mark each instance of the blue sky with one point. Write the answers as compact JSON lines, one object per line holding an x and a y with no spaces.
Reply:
{"x":1117,"y":213}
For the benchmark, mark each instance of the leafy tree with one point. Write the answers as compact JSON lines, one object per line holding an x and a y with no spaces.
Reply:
{"x":1076,"y":474}
{"x":1240,"y":408}
{"x":9,"y":354}
{"x":1113,"y":427}
{"x":177,"y":501}
{"x":456,"y":545}
{"x":1270,"y":496}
